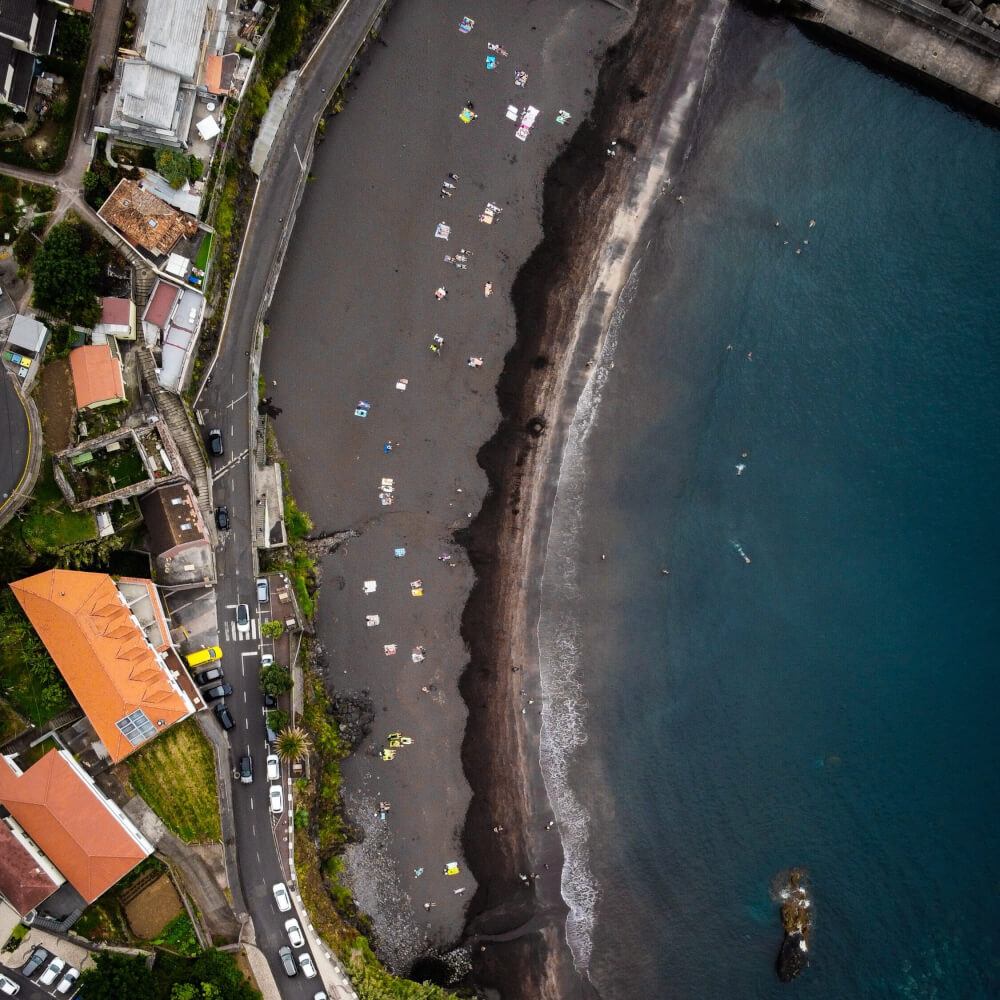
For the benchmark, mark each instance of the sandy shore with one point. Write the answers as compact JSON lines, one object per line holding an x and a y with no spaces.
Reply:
{"x":355,"y":312}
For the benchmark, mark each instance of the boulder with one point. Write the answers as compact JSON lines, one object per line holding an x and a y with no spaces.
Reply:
{"x":992,"y":14}
{"x":793,"y":957}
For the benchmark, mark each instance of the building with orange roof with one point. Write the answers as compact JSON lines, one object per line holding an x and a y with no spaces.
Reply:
{"x":88,"y":839}
{"x":97,"y":376}
{"x":122,"y":682}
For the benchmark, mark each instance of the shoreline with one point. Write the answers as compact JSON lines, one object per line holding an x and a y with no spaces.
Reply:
{"x":585,"y":196}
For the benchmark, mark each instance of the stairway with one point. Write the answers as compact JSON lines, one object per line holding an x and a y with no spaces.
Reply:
{"x":172,"y":409}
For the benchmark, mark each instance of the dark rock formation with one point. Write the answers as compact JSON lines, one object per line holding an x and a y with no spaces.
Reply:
{"x":796,"y":917}
{"x":793,"y":957}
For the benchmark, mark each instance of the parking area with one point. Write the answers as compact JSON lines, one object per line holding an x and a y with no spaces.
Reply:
{"x":52,"y":965}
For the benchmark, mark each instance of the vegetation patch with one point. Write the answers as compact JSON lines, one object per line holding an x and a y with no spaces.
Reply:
{"x":175,"y":774}
{"x":48,"y":524}
{"x":66,"y":272}
{"x":179,"y":937}
{"x":30,"y":680}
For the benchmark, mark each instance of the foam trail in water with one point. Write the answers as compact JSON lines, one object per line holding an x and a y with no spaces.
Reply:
{"x":564,"y":707}
{"x":563,"y":714}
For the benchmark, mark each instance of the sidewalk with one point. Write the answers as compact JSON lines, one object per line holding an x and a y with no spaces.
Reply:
{"x":331,"y":972}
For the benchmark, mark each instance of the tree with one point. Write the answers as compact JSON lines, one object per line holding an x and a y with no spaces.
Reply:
{"x":195,"y":168}
{"x":272,"y":629}
{"x":65,"y":276}
{"x":189,"y":991}
{"x":117,"y":976}
{"x":292,"y":744}
{"x":213,"y":975}
{"x":275,"y":679}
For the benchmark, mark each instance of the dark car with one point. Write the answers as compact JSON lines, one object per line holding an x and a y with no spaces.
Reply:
{"x":285,"y":954}
{"x":270,"y":701}
{"x":38,"y":957}
{"x":222,"y":518}
{"x":215,"y":441}
{"x":209,"y":676}
{"x":222,"y":714}
{"x":246,"y":770}
{"x":218,"y":691}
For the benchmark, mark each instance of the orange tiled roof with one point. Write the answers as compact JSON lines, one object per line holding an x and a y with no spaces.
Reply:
{"x":97,"y":375}
{"x":102,"y":653}
{"x":72,"y":824}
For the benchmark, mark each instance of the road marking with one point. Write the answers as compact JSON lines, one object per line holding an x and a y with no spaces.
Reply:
{"x":232,"y":405}
{"x":230,"y":464}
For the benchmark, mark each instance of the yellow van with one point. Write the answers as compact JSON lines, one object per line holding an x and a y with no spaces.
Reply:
{"x":204,"y":656}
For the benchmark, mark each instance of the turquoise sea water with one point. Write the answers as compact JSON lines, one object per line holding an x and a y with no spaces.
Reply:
{"x":833,"y":703}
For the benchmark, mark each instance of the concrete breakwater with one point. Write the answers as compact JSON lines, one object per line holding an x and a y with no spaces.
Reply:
{"x":954,"y":43}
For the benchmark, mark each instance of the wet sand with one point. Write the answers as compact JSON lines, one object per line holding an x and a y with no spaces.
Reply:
{"x":354,"y":312}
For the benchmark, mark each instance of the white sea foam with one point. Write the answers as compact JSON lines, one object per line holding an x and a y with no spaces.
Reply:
{"x":564,"y":723}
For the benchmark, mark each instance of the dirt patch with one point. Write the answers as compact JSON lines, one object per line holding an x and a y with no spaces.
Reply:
{"x":153,"y":909}
{"x":56,"y":403}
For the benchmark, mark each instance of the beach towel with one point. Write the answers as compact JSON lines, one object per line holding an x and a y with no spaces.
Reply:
{"x":370,"y":586}
{"x":390,"y":649}
{"x":399,"y":553}
{"x":443,"y":231}
{"x":512,"y":112}
{"x":563,"y":117}
{"x":402,"y":384}
{"x":466,"y":25}
{"x":468,"y":115}
{"x":491,"y":62}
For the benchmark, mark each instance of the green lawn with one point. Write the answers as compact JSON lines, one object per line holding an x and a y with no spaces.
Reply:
{"x":201,"y":261}
{"x":175,"y":774}
{"x":179,"y":936}
{"x":48,"y":523}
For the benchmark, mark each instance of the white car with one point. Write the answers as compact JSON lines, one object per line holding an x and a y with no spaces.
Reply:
{"x":281,"y":896}
{"x":321,"y":996}
{"x":277,"y":799}
{"x":243,"y":619}
{"x":67,"y":982}
{"x":51,"y":974}
{"x":8,"y":987}
{"x":294,"y":932}
{"x":266,"y":659}
{"x":273,"y":768}
{"x":306,"y":965}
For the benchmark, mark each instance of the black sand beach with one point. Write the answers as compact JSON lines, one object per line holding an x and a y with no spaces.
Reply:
{"x":355,"y":312}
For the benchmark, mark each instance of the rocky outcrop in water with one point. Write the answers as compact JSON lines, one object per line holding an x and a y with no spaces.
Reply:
{"x":796,"y":918}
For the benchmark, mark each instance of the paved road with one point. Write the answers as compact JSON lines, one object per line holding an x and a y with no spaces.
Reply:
{"x":15,"y":439}
{"x":225,"y":403}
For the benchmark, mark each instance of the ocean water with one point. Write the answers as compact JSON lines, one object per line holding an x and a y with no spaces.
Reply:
{"x":832,"y":703}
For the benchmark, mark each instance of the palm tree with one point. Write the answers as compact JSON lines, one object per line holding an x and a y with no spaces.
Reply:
{"x":292,"y":744}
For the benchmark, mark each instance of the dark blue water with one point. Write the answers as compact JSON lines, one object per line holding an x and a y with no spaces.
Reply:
{"x":832,"y":704}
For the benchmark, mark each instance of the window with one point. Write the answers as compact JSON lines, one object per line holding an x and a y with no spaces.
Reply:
{"x":136,"y":728}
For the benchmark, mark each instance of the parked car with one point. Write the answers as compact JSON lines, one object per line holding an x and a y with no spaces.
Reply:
{"x":294,"y":932}
{"x":68,"y":981}
{"x":8,"y":987}
{"x":270,"y":701}
{"x":273,"y":766}
{"x":223,"y":715}
{"x":263,"y":592}
{"x":320,"y":996}
{"x":285,"y":954}
{"x":215,"y":441}
{"x":277,"y":799}
{"x":306,"y":965}
{"x":219,"y":691}
{"x":52,"y":973}
{"x":205,"y":655}
{"x":281,"y":896}
{"x":246,"y":770}
{"x":243,"y":619}
{"x":38,"y":957}
{"x":222,"y":518}
{"x":210,"y":676}
{"x":266,"y":659}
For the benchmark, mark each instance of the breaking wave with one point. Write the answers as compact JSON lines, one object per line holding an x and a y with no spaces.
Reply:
{"x":564,"y":725}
